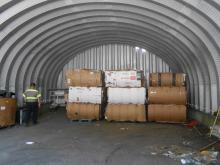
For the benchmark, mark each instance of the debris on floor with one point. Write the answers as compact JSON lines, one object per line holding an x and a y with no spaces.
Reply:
{"x":187,"y":143}
{"x":97,"y":125}
{"x":209,"y":145}
{"x":123,"y":129}
{"x":209,"y":155}
{"x":29,"y":143}
{"x":186,"y":156}
{"x":192,"y":124}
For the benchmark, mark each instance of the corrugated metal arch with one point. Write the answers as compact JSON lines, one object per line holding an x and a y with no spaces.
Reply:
{"x":198,"y":47}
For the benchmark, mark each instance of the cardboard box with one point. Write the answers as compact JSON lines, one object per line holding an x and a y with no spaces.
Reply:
{"x":126,"y":95}
{"x":77,"y":111}
{"x":167,"y":95}
{"x":93,"y":95}
{"x":129,"y":78}
{"x":84,"y":78}
{"x":167,"y":113}
{"x":8,"y":109}
{"x":126,"y":112}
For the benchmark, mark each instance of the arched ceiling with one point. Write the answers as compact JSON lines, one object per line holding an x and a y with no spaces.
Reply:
{"x":39,"y":37}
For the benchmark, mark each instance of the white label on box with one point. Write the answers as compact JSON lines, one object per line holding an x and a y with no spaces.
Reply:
{"x":68,"y":80}
{"x":126,"y":95}
{"x":122,"y":79}
{"x":3,"y":108}
{"x":91,"y":95}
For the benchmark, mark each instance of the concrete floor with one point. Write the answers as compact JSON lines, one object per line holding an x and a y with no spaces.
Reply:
{"x":59,"y":141}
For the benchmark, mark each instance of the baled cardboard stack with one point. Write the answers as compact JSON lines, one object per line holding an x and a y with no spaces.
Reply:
{"x":169,"y":113}
{"x":8,"y":107}
{"x":167,"y":79}
{"x":126,"y":112}
{"x":126,"y":96}
{"x":167,"y":95}
{"x":167,"y":98}
{"x":124,"y":79}
{"x":84,"y":78}
{"x":78,"y":111}
{"x":86,"y":94}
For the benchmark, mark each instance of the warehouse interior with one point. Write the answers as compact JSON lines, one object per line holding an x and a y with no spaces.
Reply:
{"x":41,"y":39}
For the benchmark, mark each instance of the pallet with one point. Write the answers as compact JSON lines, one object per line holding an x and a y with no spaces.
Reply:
{"x":83,"y":120}
{"x":114,"y":121}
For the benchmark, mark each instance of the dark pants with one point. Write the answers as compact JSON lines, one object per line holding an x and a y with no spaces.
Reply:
{"x":32,"y":111}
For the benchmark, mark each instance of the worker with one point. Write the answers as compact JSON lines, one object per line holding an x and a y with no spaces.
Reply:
{"x":32,"y":100}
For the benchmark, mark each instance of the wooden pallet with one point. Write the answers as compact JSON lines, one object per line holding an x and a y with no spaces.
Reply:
{"x":83,"y":120}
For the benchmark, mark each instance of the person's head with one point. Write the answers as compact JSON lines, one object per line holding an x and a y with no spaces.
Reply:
{"x":33,"y":85}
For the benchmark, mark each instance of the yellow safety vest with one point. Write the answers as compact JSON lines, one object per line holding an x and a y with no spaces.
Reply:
{"x":31,"y":95}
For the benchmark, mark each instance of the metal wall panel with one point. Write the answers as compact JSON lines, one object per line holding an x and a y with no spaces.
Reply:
{"x":115,"y":57}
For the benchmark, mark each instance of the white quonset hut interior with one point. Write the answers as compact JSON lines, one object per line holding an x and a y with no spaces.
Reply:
{"x":41,"y":39}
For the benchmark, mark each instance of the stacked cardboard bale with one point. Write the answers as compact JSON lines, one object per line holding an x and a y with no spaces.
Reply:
{"x":86,"y":94}
{"x":167,"y":79}
{"x":8,"y":107}
{"x":167,"y":98}
{"x":126,"y":96}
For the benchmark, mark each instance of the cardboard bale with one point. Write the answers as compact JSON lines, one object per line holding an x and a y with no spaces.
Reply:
{"x":167,"y":95}
{"x":8,"y":108}
{"x":127,"y":95}
{"x":93,"y":95}
{"x":180,"y":79}
{"x":78,"y":111}
{"x":167,"y":79}
{"x":124,"y":79}
{"x":167,"y":113}
{"x":126,"y":112}
{"x":84,"y":78}
{"x":154,"y":80}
